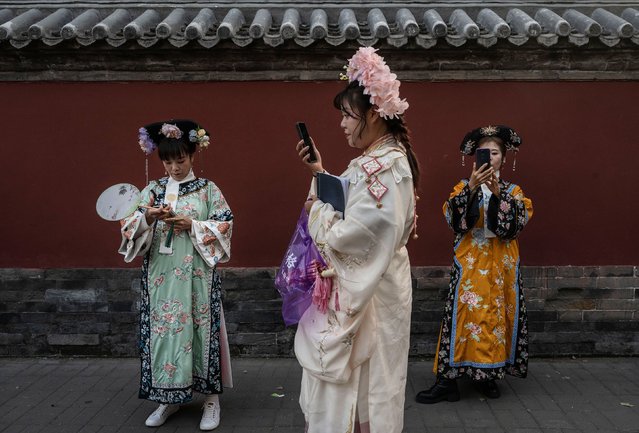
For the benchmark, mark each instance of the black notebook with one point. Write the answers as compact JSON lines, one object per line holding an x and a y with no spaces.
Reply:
{"x":333,"y":189}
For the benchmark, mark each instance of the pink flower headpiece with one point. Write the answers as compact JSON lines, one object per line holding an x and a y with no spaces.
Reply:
{"x":372,"y":73}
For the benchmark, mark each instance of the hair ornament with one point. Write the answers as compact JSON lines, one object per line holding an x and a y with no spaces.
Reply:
{"x":200,"y":137}
{"x":379,"y":83}
{"x":146,"y":143}
{"x":150,"y":135}
{"x":171,"y":131}
{"x":507,"y":135}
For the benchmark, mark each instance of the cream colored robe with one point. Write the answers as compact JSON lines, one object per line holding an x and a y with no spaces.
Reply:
{"x":355,"y":358}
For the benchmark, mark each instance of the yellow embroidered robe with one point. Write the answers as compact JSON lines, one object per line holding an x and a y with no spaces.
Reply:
{"x":484,"y":332}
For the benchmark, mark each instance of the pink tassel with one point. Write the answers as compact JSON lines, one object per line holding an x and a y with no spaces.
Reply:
{"x":321,"y":290}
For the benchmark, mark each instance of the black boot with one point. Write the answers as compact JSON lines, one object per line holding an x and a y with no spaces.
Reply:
{"x":488,"y":388}
{"x":444,"y":389}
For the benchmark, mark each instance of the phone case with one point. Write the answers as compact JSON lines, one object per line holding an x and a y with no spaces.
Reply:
{"x":482,"y":157}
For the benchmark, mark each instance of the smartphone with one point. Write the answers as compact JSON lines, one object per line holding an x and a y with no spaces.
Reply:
{"x":303,"y":133}
{"x":483,"y":157}
{"x":171,"y":212}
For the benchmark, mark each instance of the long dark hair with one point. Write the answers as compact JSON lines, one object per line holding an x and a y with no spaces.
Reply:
{"x":360,"y":103}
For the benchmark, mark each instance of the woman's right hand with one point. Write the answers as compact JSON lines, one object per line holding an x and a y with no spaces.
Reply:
{"x":156,"y":213}
{"x":480,"y":175}
{"x":302,"y":150}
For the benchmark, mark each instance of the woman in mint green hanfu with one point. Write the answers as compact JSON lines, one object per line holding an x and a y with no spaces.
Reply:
{"x":182,"y":229}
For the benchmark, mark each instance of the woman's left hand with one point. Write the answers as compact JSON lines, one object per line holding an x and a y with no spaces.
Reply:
{"x":493,"y":185}
{"x":309,"y":203}
{"x":181,"y":222}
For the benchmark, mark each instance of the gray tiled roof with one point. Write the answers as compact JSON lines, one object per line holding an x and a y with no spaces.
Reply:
{"x":272,"y":23}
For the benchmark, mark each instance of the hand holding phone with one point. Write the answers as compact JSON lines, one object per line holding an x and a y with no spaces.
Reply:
{"x":303,"y":134}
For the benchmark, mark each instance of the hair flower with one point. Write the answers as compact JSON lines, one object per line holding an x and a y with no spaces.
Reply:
{"x":146,"y":144}
{"x":200,"y":137}
{"x":382,"y":86}
{"x":171,"y":131}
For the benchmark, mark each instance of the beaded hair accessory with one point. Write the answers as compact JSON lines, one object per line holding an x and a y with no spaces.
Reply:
{"x":382,"y":86}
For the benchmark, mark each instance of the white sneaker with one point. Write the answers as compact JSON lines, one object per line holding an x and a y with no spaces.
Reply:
{"x":210,"y":416}
{"x":159,"y":415}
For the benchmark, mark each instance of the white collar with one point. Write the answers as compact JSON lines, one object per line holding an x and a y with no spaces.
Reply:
{"x":188,"y":177}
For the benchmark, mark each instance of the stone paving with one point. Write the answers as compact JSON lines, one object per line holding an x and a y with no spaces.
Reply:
{"x":100,"y":396}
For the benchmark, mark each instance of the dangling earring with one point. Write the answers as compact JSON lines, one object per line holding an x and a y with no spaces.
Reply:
{"x":514,"y":160}
{"x":463,"y":161}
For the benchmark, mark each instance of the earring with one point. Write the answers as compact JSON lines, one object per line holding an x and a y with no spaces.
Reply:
{"x":463,"y":161}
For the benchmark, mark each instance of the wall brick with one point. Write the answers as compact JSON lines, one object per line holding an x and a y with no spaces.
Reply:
{"x":10,"y":339}
{"x":73,"y":339}
{"x":590,"y":310}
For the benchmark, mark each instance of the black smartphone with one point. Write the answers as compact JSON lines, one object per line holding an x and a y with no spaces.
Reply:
{"x":303,"y":133}
{"x":483,"y":157}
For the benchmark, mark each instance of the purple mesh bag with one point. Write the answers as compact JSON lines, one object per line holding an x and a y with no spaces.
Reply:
{"x":296,"y":276}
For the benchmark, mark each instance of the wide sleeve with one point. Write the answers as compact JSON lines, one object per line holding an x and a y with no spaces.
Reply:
{"x":361,"y":245}
{"x":462,"y":208}
{"x":137,"y":235}
{"x":359,"y":248}
{"x":212,"y":236}
{"x":508,"y":215}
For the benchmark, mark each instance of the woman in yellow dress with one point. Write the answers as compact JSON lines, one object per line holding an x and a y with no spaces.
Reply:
{"x":484,"y":332}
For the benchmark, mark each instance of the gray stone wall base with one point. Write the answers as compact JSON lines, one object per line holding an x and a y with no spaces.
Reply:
{"x":572,"y":310}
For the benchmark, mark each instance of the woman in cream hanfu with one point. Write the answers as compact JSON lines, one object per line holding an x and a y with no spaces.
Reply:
{"x":484,"y":332}
{"x":183,"y":230}
{"x":353,"y":344}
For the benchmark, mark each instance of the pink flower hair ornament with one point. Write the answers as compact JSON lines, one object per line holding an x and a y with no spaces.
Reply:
{"x":379,"y":83}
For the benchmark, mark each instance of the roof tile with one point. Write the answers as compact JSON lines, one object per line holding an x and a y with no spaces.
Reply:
{"x":276,"y":23}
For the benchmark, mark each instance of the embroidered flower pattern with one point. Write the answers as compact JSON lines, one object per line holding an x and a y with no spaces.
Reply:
{"x":471,"y":299}
{"x":169,"y":369}
{"x":183,"y":272}
{"x":223,"y":228}
{"x":371,"y":166}
{"x":377,"y":189}
{"x":348,"y":340}
{"x":169,"y":318}
{"x":499,"y":332}
{"x":475,"y":331}
{"x":509,"y":262}
{"x":200,"y":311}
{"x":470,"y":260}
{"x":158,"y":281}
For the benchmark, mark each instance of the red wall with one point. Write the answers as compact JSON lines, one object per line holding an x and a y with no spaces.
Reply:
{"x":63,"y":143}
